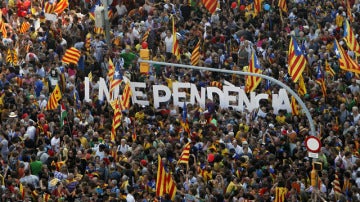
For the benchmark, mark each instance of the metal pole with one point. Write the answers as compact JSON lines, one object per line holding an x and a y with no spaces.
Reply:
{"x":293,"y":93}
{"x":106,"y":22}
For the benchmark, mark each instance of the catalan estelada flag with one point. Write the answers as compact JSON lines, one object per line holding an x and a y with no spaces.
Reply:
{"x":294,"y":106}
{"x":350,"y":39}
{"x":25,"y":26}
{"x":88,"y":42}
{"x":72,"y":55}
{"x":46,"y":197}
{"x":195,"y":55}
{"x":22,"y":191}
{"x":257,"y":7}
{"x":296,"y":60}
{"x":210,"y":5}
{"x":320,"y":79}
{"x":345,"y":62}
{"x":111,"y":70}
{"x":117,"y":79}
{"x":185,"y":154}
{"x":53,"y":101}
{"x":61,"y":6}
{"x":216,"y":84}
{"x":98,"y":30}
{"x":175,"y":48}
{"x":253,"y":81}
{"x":280,"y":193}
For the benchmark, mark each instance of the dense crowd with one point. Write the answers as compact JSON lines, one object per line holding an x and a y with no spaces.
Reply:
{"x":254,"y":155}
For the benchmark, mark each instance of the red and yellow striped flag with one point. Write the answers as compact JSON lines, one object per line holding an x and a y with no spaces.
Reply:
{"x":216,"y":84}
{"x":160,"y":179}
{"x":111,"y":70}
{"x":12,"y":57}
{"x":350,"y":38}
{"x":110,"y":14}
{"x":98,"y":30}
{"x":195,"y":55}
{"x":282,"y":5}
{"x":302,"y":88}
{"x":126,"y":96}
{"x":25,"y":26}
{"x":72,"y":55}
{"x":257,"y":7}
{"x":348,"y":11}
{"x":146,"y":36}
{"x":88,"y":42}
{"x":61,"y":6}
{"x":328,"y":69}
{"x":185,"y":154}
{"x":54,"y":98}
{"x":345,"y":61}
{"x":210,"y":5}
{"x":3,"y":28}
{"x":337,"y":189}
{"x":294,"y":106}
{"x":175,"y":48}
{"x":46,"y":197}
{"x":280,"y":193}
{"x":170,"y":186}
{"x":49,"y":7}
{"x":296,"y":60}
{"x":116,"y":120}
{"x":252,"y":82}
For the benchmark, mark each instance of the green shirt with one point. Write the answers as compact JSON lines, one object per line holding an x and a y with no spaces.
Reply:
{"x":128,"y":58}
{"x":35,"y":167}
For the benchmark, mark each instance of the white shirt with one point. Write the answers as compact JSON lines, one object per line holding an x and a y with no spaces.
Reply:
{"x":168,"y":44}
{"x":31,"y":131}
{"x":55,"y":143}
{"x":130,"y":198}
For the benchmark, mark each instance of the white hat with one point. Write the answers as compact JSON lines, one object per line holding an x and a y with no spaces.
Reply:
{"x":12,"y":115}
{"x":271,"y":125}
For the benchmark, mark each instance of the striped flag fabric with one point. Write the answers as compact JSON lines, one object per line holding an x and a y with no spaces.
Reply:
{"x":320,"y":79}
{"x":146,"y":35}
{"x":25,"y":26}
{"x":126,"y":96}
{"x":210,"y":5}
{"x":185,"y":154}
{"x":165,"y":184}
{"x":328,"y":69}
{"x":160,"y":179}
{"x":336,"y":186}
{"x":282,"y":5}
{"x":111,"y":70}
{"x":294,"y":106}
{"x":170,"y":186}
{"x":54,"y":98}
{"x":110,"y":13}
{"x":175,"y":48}
{"x":61,"y":6}
{"x":116,"y":120}
{"x":296,"y":60}
{"x":72,"y":55}
{"x":88,"y":42}
{"x":19,"y":80}
{"x":46,"y":197}
{"x":254,"y":67}
{"x":345,"y":62}
{"x":184,"y":121}
{"x":3,"y":28}
{"x":348,"y":11}
{"x":117,"y":79}
{"x":280,"y":193}
{"x":302,"y":88}
{"x":195,"y":55}
{"x":49,"y":7}
{"x":350,"y":38}
{"x":257,"y":7}
{"x":12,"y":57}
{"x":98,"y":30}
{"x":216,"y":84}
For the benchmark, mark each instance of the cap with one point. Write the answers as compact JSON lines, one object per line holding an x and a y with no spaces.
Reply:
{"x":12,"y":115}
